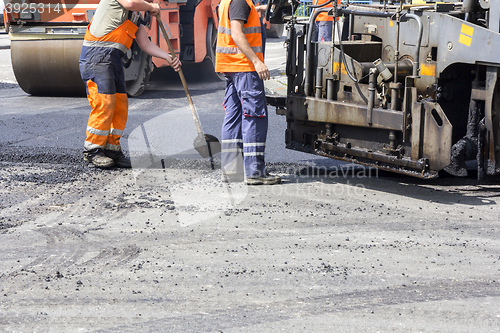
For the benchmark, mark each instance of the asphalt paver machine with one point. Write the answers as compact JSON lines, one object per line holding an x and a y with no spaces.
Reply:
{"x":410,"y":87}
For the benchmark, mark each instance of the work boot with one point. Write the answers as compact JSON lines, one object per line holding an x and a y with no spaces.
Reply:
{"x":97,"y":157}
{"x":121,"y":161}
{"x":264,"y":180}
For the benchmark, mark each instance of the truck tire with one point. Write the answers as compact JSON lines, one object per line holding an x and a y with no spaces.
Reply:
{"x":142,"y":64}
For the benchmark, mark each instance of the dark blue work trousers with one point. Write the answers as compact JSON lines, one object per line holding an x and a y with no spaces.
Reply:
{"x":244,"y":130}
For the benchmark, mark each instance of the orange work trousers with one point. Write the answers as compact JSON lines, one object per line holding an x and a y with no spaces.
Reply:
{"x":102,"y":70}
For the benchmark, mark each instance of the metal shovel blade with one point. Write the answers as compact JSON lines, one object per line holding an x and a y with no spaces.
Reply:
{"x":207,"y":145}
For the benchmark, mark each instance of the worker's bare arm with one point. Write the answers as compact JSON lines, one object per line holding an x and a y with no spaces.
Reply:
{"x":261,"y":8}
{"x":152,"y":49}
{"x":241,"y":42}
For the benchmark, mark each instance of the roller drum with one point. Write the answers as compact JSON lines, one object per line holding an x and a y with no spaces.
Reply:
{"x":48,"y":67}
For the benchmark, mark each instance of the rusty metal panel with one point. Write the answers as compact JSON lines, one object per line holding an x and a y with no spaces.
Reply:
{"x":437,"y":136}
{"x":410,"y":32}
{"x":465,"y":43}
{"x":492,"y":121}
{"x":416,"y":131}
{"x":321,"y":110}
{"x":478,"y":93}
{"x":410,"y":97}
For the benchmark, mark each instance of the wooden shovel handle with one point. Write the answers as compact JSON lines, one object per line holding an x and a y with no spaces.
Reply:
{"x":181,"y":75}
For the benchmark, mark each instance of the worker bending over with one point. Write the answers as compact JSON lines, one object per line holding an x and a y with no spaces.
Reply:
{"x":108,"y":37}
{"x":239,"y":55}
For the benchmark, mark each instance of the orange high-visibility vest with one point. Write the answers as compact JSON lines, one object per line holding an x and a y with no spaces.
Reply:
{"x":228,"y":57}
{"x":324,"y":16}
{"x":121,"y":38}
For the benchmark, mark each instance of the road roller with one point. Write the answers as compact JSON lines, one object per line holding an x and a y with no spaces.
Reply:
{"x":47,"y":35}
{"x":410,"y":87}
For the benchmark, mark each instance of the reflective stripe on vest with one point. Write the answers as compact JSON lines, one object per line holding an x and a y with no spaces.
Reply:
{"x":228,"y":57}
{"x":121,"y":38}
{"x":235,"y":50}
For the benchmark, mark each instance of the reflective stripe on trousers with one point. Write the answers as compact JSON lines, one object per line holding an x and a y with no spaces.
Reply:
{"x":102,"y":71}
{"x":245,"y":125}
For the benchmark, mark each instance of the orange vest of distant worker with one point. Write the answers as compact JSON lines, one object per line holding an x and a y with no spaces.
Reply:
{"x":228,"y":57}
{"x":120,"y":38}
{"x":324,"y":16}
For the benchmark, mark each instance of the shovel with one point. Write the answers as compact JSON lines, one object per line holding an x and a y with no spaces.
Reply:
{"x":205,"y":144}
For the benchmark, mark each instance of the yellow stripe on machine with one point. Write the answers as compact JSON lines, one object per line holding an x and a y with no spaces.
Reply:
{"x":342,"y":68}
{"x":427,"y":69}
{"x":467,"y":30}
{"x":466,"y":34}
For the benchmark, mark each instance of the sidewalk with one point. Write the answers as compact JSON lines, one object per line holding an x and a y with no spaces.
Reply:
{"x":4,"y":40}
{"x":6,"y":72}
{"x":276,"y":85}
{"x":275,"y":60}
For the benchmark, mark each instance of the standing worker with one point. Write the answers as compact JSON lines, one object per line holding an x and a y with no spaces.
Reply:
{"x":324,"y":22}
{"x":239,"y":55}
{"x":108,"y":37}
